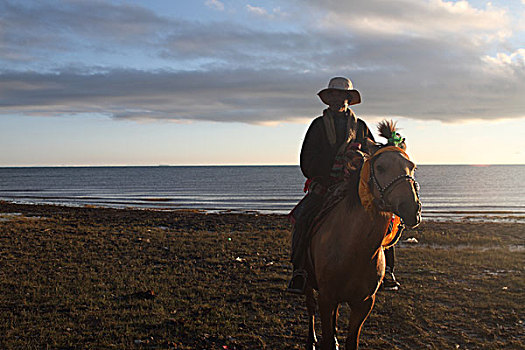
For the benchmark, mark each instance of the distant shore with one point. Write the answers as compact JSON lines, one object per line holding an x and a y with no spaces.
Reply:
{"x":94,"y":277}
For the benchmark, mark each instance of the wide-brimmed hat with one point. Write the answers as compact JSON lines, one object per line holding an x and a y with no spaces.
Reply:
{"x":340,"y":84}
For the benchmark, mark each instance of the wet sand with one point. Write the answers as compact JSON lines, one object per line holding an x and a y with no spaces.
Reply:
{"x":111,"y":278}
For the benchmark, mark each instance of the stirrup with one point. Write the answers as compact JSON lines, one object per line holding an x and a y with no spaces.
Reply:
{"x":297,"y":284}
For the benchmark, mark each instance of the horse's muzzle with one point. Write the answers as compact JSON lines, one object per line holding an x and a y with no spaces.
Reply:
{"x":411,"y":216}
{"x":418,"y":216}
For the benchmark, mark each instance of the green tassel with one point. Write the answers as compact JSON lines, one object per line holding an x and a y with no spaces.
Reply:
{"x":395,"y":139}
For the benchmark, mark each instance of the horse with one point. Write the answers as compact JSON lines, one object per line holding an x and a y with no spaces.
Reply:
{"x":347,"y":263}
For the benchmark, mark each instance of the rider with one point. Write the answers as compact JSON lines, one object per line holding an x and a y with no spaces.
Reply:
{"x":326,"y":135}
{"x":390,"y":282}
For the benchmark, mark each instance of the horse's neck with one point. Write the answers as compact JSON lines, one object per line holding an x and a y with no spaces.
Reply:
{"x":349,"y":232}
{"x":378,"y":223}
{"x":374,"y":224}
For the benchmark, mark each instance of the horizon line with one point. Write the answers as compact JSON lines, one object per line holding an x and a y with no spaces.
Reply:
{"x":210,"y":165}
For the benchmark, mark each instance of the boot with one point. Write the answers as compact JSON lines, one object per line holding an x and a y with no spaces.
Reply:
{"x":300,"y":241}
{"x":297,"y":284}
{"x":389,"y":281}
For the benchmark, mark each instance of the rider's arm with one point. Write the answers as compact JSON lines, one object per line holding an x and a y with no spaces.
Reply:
{"x":367,"y":132}
{"x":315,"y":163}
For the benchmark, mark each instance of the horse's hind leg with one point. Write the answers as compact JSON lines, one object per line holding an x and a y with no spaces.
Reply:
{"x":310,"y":306}
{"x":328,"y":310}
{"x":359,"y":313}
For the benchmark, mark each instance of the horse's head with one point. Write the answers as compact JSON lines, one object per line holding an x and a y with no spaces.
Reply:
{"x":392,"y":177}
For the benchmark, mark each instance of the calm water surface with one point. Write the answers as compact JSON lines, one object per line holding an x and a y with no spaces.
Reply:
{"x":447,"y":191}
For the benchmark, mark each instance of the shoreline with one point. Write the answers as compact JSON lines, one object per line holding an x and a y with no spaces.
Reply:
{"x":454,"y":216}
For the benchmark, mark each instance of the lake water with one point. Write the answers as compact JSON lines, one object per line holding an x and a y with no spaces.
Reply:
{"x":455,"y":192}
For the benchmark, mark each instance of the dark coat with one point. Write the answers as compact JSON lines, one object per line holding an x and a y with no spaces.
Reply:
{"x":317,"y":155}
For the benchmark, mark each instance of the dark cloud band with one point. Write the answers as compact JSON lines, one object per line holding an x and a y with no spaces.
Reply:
{"x":231,"y":72}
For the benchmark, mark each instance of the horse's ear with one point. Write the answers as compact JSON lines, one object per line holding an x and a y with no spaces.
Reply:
{"x":402,"y":145}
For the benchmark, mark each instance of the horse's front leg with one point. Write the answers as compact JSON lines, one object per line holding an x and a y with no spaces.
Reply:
{"x":328,"y":310}
{"x":359,"y":312}
{"x":310,"y":306}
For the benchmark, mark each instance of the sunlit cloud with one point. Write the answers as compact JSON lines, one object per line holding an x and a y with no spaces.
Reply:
{"x":262,"y":12}
{"x":434,"y":19}
{"x":514,"y":61}
{"x":215,"y":4}
{"x":257,"y":10}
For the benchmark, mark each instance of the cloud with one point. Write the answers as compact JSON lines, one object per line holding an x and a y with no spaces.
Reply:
{"x":262,"y":12}
{"x":417,"y":59}
{"x":45,"y":34}
{"x":511,"y":64}
{"x":93,"y":20}
{"x":416,"y":18}
{"x":240,"y":96}
{"x":257,"y":10}
{"x":215,"y":4}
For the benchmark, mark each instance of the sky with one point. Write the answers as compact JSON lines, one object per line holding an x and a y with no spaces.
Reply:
{"x":211,"y":82}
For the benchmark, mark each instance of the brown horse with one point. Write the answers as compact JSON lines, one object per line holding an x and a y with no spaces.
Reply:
{"x":347,"y":259}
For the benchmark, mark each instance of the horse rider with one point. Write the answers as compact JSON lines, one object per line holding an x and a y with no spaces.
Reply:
{"x":325,"y":138}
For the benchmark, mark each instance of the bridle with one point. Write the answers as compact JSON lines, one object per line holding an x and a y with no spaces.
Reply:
{"x":384,"y":189}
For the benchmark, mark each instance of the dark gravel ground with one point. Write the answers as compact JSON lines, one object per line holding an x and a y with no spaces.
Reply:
{"x":94,"y":278}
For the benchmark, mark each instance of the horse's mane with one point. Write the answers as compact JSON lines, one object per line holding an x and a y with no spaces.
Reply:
{"x":386,"y":128}
{"x":352,"y":186}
